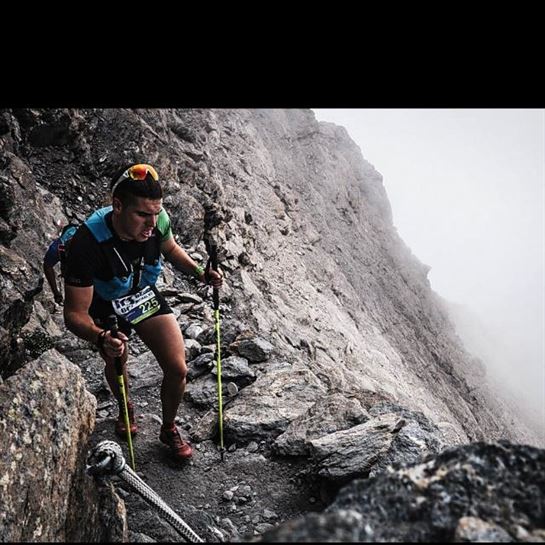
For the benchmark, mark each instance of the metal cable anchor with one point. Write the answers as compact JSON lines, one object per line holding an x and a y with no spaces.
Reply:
{"x":106,"y":459}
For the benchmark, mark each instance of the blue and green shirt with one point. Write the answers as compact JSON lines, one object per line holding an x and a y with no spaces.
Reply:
{"x":98,"y":257}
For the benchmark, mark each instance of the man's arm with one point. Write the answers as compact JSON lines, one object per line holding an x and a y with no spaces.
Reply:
{"x":49,"y":273}
{"x":51,"y":258}
{"x":174,"y":253}
{"x":79,"y":322}
{"x":76,"y":313}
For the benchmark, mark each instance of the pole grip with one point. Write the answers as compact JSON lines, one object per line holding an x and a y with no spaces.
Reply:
{"x":114,"y":331}
{"x":213,"y":253}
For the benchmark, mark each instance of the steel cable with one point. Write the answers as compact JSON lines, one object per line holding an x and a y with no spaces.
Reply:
{"x":106,"y":458}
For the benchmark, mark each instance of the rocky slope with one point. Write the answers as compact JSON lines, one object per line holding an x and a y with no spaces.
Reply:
{"x":477,"y":492}
{"x":341,"y":357}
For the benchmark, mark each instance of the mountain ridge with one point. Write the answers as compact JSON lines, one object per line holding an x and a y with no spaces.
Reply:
{"x":313,"y":265}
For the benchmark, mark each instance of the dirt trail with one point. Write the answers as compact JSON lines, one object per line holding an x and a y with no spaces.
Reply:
{"x":204,"y":490}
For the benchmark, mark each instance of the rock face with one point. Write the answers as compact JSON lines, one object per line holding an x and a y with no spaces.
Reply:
{"x":26,"y":223}
{"x":335,"y":348}
{"x":46,"y":418}
{"x":478,"y":492}
{"x":306,"y":240}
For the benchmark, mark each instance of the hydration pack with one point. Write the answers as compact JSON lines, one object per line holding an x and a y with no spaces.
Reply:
{"x":68,"y":231}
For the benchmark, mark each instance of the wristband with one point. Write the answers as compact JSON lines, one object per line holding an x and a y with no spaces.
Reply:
{"x":198,"y":271}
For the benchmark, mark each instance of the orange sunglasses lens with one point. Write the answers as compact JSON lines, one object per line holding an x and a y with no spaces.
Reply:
{"x":139,"y":172}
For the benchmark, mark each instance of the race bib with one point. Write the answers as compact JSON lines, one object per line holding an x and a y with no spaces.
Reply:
{"x":137,"y":307}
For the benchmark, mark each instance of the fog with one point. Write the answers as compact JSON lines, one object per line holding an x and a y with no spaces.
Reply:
{"x":467,"y":190}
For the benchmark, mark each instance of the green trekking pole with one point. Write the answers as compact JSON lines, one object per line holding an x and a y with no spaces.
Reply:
{"x":213,"y":252}
{"x":121,"y":382}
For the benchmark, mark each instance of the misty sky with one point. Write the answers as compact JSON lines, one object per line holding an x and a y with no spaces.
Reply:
{"x":467,"y":190}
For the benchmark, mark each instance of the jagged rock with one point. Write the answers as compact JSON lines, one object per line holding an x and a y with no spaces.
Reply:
{"x":29,"y":220}
{"x":41,"y":320}
{"x":474,"y":529}
{"x":205,"y":428}
{"x":415,"y":438}
{"x":236,"y":369}
{"x":203,"y":392}
{"x":192,"y":349}
{"x":231,"y":529}
{"x":385,"y":438}
{"x":189,"y":298}
{"x":353,"y":452}
{"x":341,"y":525}
{"x":332,"y":413}
{"x":255,"y":350}
{"x":477,"y":492}
{"x":229,"y":331}
{"x":17,"y":279}
{"x":193,"y":331}
{"x":200,"y":365}
{"x":264,"y":409}
{"x":46,"y":495}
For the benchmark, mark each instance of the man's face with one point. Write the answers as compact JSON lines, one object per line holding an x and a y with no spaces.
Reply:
{"x":135,"y":221}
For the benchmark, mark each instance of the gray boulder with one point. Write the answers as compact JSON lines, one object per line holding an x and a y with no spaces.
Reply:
{"x":475,"y":492}
{"x":332,"y":413}
{"x":46,"y":418}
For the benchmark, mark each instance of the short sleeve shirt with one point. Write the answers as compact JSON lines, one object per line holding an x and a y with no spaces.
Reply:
{"x":85,"y":259}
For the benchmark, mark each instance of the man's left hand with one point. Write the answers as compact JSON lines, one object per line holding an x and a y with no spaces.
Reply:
{"x":213,"y":278}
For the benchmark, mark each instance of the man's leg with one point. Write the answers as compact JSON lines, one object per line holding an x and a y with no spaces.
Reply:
{"x":162,"y":335}
{"x":110,"y":371}
{"x":111,"y":375}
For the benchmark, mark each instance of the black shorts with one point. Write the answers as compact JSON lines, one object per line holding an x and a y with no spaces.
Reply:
{"x":103,"y":313}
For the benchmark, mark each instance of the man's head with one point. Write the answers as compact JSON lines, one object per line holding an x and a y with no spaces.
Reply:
{"x":136,"y":201}
{"x":140,"y":180}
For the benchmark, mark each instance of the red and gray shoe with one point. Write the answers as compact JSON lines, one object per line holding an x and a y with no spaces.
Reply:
{"x":181,"y":450}
{"x":120,"y":428}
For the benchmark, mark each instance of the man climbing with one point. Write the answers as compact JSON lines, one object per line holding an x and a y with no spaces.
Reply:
{"x":56,"y":253}
{"x":111,"y":270}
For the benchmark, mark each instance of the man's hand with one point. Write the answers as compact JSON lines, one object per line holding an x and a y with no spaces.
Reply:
{"x":179,"y":258}
{"x":114,"y":346}
{"x":214,"y":278}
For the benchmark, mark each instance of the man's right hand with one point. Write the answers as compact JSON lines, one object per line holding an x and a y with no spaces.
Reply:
{"x":114,"y":347}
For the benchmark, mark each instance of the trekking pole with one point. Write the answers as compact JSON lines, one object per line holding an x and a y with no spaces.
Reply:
{"x":121,"y":382}
{"x":213,"y":253}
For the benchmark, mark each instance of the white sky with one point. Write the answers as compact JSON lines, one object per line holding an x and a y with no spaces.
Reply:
{"x":467,"y":190}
